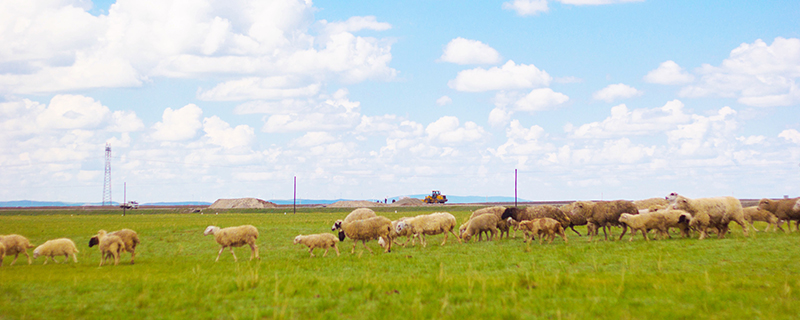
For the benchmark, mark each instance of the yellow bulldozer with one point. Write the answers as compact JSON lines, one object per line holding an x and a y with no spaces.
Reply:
{"x":435,"y":197}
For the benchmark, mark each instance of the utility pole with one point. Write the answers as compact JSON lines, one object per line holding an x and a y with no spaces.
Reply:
{"x":515,"y":188}
{"x":294,"y":201}
{"x":124,"y":197}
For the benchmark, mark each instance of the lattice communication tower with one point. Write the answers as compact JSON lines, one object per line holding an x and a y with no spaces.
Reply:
{"x":107,"y":178}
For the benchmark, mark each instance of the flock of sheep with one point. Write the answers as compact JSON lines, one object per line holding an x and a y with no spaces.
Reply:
{"x":701,"y":215}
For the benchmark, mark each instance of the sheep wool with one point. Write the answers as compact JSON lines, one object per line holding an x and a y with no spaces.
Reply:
{"x":430,"y":224}
{"x":357,"y":214}
{"x":784,"y":209}
{"x":128,"y":236}
{"x":367,"y":229}
{"x":676,"y":219}
{"x":534,"y":212}
{"x":574,"y":219}
{"x":481,"y":224}
{"x":110,"y":246}
{"x":755,"y":213}
{"x":231,"y":237}
{"x":319,"y":240}
{"x":502,"y":224}
{"x":2,"y":253}
{"x":16,"y":244}
{"x":643,"y":222}
{"x":605,"y":214}
{"x":407,"y":232}
{"x":647,"y":204}
{"x":56,"y":247}
{"x":542,"y":227}
{"x":720,"y":211}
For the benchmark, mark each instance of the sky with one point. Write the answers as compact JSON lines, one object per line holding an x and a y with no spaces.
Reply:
{"x":585,"y":99}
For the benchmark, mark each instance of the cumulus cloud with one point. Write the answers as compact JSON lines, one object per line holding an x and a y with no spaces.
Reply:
{"x":444,"y":100}
{"x":313,"y":138}
{"x":270,"y":88}
{"x":615,"y":92}
{"x":220,"y":133}
{"x":625,"y":122}
{"x":669,"y":73}
{"x":178,"y":125}
{"x":790,"y":135}
{"x":705,"y":134}
{"x":466,"y":51}
{"x":757,"y":74}
{"x":526,"y":7}
{"x":448,"y":131}
{"x":540,"y":99}
{"x":508,"y":76}
{"x":335,"y":113}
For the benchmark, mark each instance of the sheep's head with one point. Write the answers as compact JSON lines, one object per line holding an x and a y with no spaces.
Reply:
{"x":337,"y":225}
{"x":580,"y":208}
{"x":684,"y":218}
{"x":400,"y":226}
{"x":625,"y":218}
{"x":672,"y":197}
{"x":210,"y":230}
{"x":297,"y":239}
{"x":766,"y":203}
{"x":381,"y":242}
{"x":94,"y":241}
{"x":36,"y":254}
{"x":681,"y":203}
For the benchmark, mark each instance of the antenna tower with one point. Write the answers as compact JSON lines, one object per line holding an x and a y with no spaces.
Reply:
{"x":107,"y":179}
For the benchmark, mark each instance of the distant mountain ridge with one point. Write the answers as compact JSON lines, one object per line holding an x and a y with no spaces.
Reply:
{"x":450,"y":199}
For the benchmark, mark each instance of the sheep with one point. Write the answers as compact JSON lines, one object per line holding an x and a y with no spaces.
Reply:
{"x":720,"y":211}
{"x":649,"y":204}
{"x":677,"y":219}
{"x":513,"y":224}
{"x":541,"y":227}
{"x":643,"y":222}
{"x":430,"y":224}
{"x":110,"y":246}
{"x":755,"y":213}
{"x":16,"y":244}
{"x":2,"y":253}
{"x":407,"y":232}
{"x":357,"y":214}
{"x":235,"y":237}
{"x":480,"y":224}
{"x":574,"y":219}
{"x":56,"y":247}
{"x":784,"y":209}
{"x":378,"y":227}
{"x":502,"y":224}
{"x":319,"y":240}
{"x":604,"y":214}
{"x":128,"y":236}
{"x":533,"y":212}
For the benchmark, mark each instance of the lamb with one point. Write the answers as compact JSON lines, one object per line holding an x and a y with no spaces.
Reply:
{"x":16,"y":244}
{"x":574,"y":219}
{"x":319,"y":240}
{"x":643,"y":222}
{"x":56,"y":247}
{"x":533,"y":212}
{"x":484,"y":223}
{"x":407,"y":232}
{"x":128,"y":236}
{"x":542,"y":227}
{"x":784,"y":209}
{"x":513,"y":224}
{"x":430,"y":224}
{"x":677,"y":219}
{"x":755,"y":213}
{"x":110,"y":246}
{"x":720,"y":211}
{"x":231,"y":237}
{"x":378,"y":227}
{"x":604,"y":214}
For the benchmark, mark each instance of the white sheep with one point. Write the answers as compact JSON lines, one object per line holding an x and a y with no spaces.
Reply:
{"x":2,"y":253}
{"x":720,"y":211}
{"x":56,"y":247}
{"x":604,"y":214}
{"x":319,"y":240}
{"x":430,"y":224}
{"x":677,"y":219}
{"x":16,"y":244}
{"x":755,"y":213}
{"x":366,"y":229}
{"x":407,"y":232}
{"x":360,"y":214}
{"x":110,"y":246}
{"x":481,"y":224}
{"x":644,"y":221}
{"x":231,"y":237}
{"x":128,"y":236}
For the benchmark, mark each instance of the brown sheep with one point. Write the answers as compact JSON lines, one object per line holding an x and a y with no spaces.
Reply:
{"x":574,"y":219}
{"x":757,"y":214}
{"x":534,"y":212}
{"x":502,"y":224}
{"x":783,"y":209}
{"x":604,"y":214}
{"x":542,"y":227}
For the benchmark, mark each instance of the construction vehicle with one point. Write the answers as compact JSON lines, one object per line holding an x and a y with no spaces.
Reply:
{"x":435,"y":197}
{"x":130,"y":205}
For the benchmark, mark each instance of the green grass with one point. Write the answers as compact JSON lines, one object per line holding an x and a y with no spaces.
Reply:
{"x":175,"y":275}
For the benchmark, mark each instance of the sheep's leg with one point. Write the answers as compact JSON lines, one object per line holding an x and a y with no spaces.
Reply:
{"x":219,"y":253}
{"x":15,"y":259}
{"x":75,"y":257}
{"x":644,"y":233}
{"x":422,"y":240}
{"x":576,"y":231}
{"x":133,"y":255}
{"x":102,"y":258}
{"x":354,"y":247}
{"x":457,"y":238}
{"x":564,"y":235}
{"x":364,"y":242}
{"x":335,"y":247}
{"x":625,"y":229}
{"x":254,"y":252}
{"x":311,"y":251}
{"x":741,"y":223}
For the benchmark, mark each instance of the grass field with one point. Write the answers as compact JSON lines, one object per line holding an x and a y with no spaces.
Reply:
{"x":175,"y":275}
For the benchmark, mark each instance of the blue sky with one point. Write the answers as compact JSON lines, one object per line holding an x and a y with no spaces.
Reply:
{"x":588,"y":99}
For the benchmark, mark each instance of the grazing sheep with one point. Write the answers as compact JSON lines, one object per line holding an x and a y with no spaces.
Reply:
{"x":357,"y":214}
{"x":231,"y":237}
{"x":128,"y":236}
{"x":644,"y":221}
{"x":677,"y":219}
{"x":2,"y":253}
{"x":604,"y":214}
{"x":720,"y":211}
{"x":110,"y":246}
{"x":755,"y":213}
{"x":56,"y":247}
{"x":319,"y":240}
{"x":784,"y":209}
{"x":502,"y":224}
{"x":649,"y":204}
{"x":481,"y":224}
{"x":533,"y":212}
{"x":574,"y":219}
{"x":513,"y":224}
{"x":366,"y":229}
{"x":430,"y":224}
{"x":542,"y":227}
{"x":407,"y":232}
{"x":16,"y":244}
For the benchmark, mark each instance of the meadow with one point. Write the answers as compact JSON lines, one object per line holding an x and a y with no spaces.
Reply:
{"x":175,"y":275}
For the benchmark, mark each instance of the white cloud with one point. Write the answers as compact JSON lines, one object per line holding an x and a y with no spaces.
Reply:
{"x":178,"y":125}
{"x":314,"y":138}
{"x":625,"y":122}
{"x":756,"y":74}
{"x":335,"y":113}
{"x":270,"y":88}
{"x":526,"y":7}
{"x":447,"y":130}
{"x":509,"y":76}
{"x":615,"y":92}
{"x":466,"y":51}
{"x":444,"y":100}
{"x":499,"y":116}
{"x":220,"y":133}
{"x":540,"y":99}
{"x":669,"y":73}
{"x":73,"y":112}
{"x":752,"y":140}
{"x":705,"y":135}
{"x":790,"y":135}
{"x":595,"y":2}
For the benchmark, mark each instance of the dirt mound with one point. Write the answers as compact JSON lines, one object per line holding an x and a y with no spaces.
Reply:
{"x":409,"y":202}
{"x":355,"y":204}
{"x":242,"y":203}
